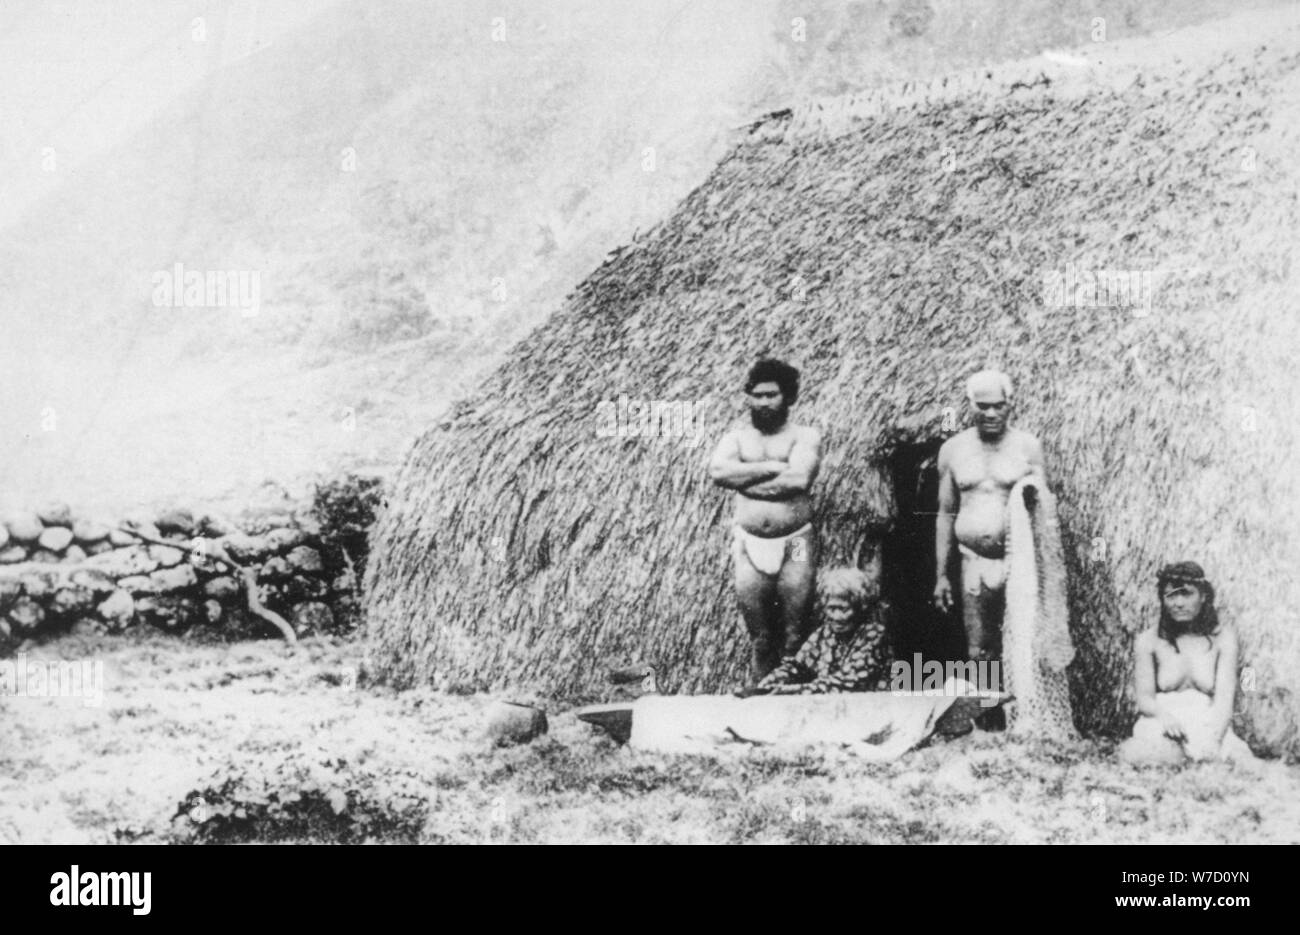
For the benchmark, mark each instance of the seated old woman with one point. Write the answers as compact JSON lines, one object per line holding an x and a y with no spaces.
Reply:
{"x":1185,"y":677}
{"x":849,"y":651}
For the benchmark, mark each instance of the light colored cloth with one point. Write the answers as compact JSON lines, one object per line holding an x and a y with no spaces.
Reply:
{"x":873,"y":725}
{"x":769,"y":554}
{"x":1036,"y":644}
{"x":1192,"y":709}
{"x":980,"y":571}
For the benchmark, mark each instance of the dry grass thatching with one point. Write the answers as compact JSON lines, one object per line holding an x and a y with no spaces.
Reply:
{"x":889,"y":252}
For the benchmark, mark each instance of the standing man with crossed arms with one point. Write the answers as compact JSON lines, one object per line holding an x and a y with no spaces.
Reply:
{"x":771,"y":465}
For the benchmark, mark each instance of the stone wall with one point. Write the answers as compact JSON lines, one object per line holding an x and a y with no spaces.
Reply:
{"x":61,"y":572}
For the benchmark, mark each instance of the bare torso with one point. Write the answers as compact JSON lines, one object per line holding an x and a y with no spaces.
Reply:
{"x":1192,"y":666}
{"x":984,"y":473}
{"x":1185,"y":693}
{"x":771,"y":517}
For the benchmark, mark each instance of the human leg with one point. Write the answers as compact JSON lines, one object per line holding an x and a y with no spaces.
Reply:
{"x":795,"y":588}
{"x":981,"y":610}
{"x":1150,"y":747}
{"x":756,"y":593}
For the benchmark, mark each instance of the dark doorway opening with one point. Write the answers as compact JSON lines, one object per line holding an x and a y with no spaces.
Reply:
{"x":907,"y":561}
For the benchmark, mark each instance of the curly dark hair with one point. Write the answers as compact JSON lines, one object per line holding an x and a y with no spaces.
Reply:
{"x":770,"y":370}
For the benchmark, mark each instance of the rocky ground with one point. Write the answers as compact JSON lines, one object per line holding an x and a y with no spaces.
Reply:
{"x":257,"y":741}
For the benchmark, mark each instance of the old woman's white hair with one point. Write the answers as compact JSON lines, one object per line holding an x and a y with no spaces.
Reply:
{"x":855,"y":585}
{"x":989,"y":378}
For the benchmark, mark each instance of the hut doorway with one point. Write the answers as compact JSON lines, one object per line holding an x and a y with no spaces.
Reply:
{"x":907,"y":559}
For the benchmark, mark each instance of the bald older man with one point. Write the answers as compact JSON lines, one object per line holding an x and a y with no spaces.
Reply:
{"x":977,"y":469}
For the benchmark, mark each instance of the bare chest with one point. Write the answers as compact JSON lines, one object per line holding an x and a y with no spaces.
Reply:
{"x":755,"y":446}
{"x":1192,"y":665}
{"x":977,"y":466}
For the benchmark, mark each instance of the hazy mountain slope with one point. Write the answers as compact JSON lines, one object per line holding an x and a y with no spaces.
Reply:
{"x":407,"y":186}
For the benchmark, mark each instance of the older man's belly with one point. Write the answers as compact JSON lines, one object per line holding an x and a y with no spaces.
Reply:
{"x":981,"y":523}
{"x":769,"y":518}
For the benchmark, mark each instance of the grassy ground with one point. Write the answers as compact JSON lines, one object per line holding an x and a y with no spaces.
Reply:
{"x":258,"y":742}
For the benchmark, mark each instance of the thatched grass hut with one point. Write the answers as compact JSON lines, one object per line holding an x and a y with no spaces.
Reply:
{"x":889,"y":246}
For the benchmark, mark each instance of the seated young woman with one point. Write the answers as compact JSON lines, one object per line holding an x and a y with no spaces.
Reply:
{"x":1185,"y":676}
{"x":849,"y":651}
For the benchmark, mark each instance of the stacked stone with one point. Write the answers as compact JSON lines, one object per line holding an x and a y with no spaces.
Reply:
{"x":58,"y":572}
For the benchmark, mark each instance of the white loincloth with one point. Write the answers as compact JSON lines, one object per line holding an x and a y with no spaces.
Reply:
{"x":768,"y":554}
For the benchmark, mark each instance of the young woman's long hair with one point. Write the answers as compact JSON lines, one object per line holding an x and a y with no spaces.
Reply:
{"x":1206,"y":623}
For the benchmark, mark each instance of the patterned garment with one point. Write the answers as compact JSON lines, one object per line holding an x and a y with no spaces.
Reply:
{"x":825,"y":663}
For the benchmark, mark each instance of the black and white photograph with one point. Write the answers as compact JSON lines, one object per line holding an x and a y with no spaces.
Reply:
{"x":664,"y":422}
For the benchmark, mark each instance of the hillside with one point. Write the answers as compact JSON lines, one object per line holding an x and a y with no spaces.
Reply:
{"x":414,"y":196}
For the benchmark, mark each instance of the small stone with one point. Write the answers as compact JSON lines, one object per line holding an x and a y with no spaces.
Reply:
{"x":55,"y":538}
{"x":305,"y":559}
{"x":308,"y":523}
{"x":68,"y":601}
{"x":212,"y":610}
{"x":170,"y":613}
{"x":221,"y":588}
{"x":26,"y":614}
{"x":99,"y":548}
{"x":87,"y":531}
{"x":55,"y":513}
{"x":281,"y":540}
{"x":45,"y":555}
{"x":312,"y":617}
{"x":132,"y":560}
{"x":510,"y":723}
{"x":275,"y":569}
{"x":345,"y":583}
{"x":261,"y":524}
{"x":13,"y":555}
{"x":173,"y":579}
{"x":177,"y":520}
{"x":166,"y":556}
{"x":25,"y":527}
{"x":9,"y":590}
{"x":38,"y":583}
{"x":144,"y":524}
{"x":93,"y":580}
{"x":74,"y":553}
{"x":136,"y":584}
{"x":87,"y":626}
{"x":246,"y":548}
{"x":120,"y":537}
{"x":217,"y":526}
{"x":118,"y":609}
